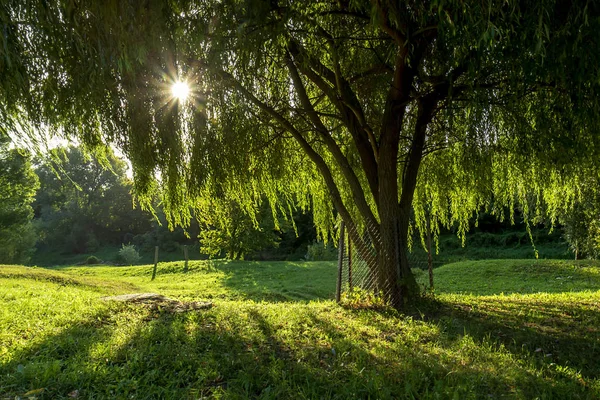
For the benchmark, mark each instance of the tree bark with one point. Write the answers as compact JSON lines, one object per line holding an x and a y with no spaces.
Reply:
{"x":426,"y":106}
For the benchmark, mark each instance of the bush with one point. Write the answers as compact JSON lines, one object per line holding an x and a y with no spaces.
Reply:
{"x":93,"y":260}
{"x":129,"y":255}
{"x":318,"y":251}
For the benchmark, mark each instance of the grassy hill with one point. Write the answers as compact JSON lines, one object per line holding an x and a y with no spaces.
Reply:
{"x":275,"y":333}
{"x":487,"y":277}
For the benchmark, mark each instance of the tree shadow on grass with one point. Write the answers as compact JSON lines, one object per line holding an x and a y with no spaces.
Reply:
{"x":278,"y":281}
{"x":56,"y":363}
{"x":553,"y":336}
{"x":428,"y":358}
{"x":253,"y":351}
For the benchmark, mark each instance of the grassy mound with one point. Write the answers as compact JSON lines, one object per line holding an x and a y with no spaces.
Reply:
{"x":59,"y":340}
{"x":489,"y":277}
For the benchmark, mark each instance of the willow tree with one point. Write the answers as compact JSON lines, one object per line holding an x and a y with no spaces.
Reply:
{"x":373,"y":109}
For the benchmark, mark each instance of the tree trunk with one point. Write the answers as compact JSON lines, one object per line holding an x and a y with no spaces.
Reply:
{"x":388,"y":257}
{"x":408,"y":285}
{"x":389,"y":273}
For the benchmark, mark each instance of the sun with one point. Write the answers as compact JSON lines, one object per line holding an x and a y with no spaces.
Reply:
{"x":180,"y":90}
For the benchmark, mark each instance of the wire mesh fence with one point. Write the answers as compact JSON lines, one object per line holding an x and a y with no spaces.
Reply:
{"x":361,"y":279}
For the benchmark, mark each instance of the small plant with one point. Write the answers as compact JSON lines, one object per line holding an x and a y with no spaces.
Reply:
{"x":129,"y":255}
{"x":360,"y":298}
{"x":93,"y":260}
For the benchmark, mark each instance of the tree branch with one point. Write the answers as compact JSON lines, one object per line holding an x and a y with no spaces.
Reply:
{"x":398,"y":36}
{"x":425,"y":109}
{"x":357,"y":128}
{"x":306,"y":147}
{"x":342,"y":161}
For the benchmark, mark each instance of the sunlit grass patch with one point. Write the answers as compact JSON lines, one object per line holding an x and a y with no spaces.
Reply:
{"x":486,"y":277}
{"x":216,"y":279}
{"x":58,"y":336}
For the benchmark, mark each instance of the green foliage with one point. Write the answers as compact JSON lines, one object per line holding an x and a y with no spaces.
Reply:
{"x":581,"y":223}
{"x":509,"y":244}
{"x":377,"y":110}
{"x":59,"y":336}
{"x":229,"y":231}
{"x":82,"y":204}
{"x":359,"y":298}
{"x":93,"y":260}
{"x":319,"y":251}
{"x":129,"y":255}
{"x":17,"y":188}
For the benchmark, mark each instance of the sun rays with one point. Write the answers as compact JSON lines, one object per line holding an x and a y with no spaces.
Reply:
{"x":180,"y":90}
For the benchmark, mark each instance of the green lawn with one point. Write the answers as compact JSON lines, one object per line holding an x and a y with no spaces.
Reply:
{"x":488,"y":277}
{"x":275,"y":333}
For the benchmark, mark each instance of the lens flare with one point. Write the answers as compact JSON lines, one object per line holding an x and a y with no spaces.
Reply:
{"x":180,"y":90}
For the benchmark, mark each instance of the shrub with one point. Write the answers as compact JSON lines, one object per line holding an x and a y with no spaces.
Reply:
{"x":361,"y":298}
{"x":129,"y":255}
{"x":93,"y":260}
{"x":318,"y":251}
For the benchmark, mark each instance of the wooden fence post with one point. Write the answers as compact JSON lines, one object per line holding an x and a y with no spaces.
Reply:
{"x":338,"y":291}
{"x":155,"y":262}
{"x":349,"y":263}
{"x":185,"y":254}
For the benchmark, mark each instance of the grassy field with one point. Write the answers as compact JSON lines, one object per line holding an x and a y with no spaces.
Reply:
{"x":495,"y":329}
{"x":109,"y":255}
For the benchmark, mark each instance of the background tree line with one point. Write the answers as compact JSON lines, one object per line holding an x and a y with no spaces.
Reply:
{"x":68,"y":205}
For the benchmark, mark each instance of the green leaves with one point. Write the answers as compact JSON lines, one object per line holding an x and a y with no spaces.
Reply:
{"x":17,"y":188}
{"x":515,"y":87}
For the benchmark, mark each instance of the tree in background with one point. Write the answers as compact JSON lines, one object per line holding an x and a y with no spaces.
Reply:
{"x":82,"y":204}
{"x":380,"y":110}
{"x":228,"y":230}
{"x":18,"y":184}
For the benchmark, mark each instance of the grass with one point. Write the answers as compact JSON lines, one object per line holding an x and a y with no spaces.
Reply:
{"x":488,"y":277}
{"x":486,"y":246}
{"x":275,"y":333}
{"x":108,"y":254}
{"x":227,"y":280}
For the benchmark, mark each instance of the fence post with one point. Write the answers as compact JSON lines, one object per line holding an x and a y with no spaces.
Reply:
{"x":185,"y":254}
{"x":338,"y":292}
{"x":155,"y":262}
{"x":349,"y":262}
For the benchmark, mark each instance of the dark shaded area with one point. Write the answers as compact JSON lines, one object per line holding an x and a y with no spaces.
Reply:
{"x":278,"y":281}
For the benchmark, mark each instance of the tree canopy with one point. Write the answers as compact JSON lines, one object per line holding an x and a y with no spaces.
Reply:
{"x":81,"y":205}
{"x":17,"y":188}
{"x":386,"y":111}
